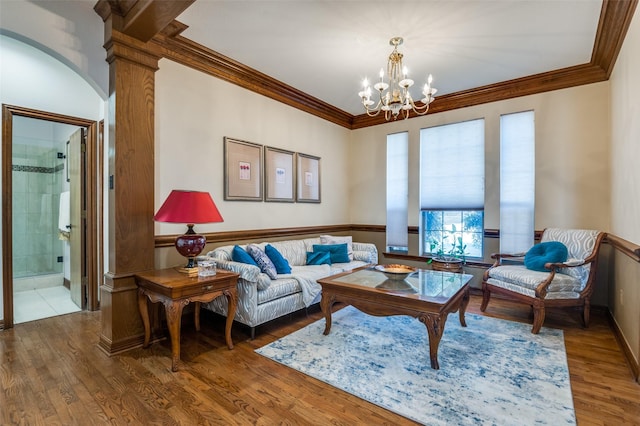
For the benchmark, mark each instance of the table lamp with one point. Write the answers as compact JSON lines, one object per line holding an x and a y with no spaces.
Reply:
{"x":189,"y":207}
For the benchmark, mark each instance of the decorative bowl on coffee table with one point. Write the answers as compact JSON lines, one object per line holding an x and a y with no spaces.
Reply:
{"x":396,"y":272}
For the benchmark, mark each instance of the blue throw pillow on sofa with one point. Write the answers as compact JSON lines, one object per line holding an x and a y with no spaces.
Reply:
{"x":238,"y":254}
{"x":339,"y":252}
{"x":318,"y":258}
{"x":547,"y":252}
{"x":281,"y":264}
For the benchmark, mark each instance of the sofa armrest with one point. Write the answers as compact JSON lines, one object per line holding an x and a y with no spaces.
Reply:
{"x":247,"y":272}
{"x":365,"y":252}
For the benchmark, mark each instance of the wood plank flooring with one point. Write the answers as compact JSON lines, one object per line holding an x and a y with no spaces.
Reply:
{"x":52,"y":373}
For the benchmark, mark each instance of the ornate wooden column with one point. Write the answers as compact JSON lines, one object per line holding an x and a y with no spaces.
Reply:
{"x":129,"y":25}
{"x":131,"y":188}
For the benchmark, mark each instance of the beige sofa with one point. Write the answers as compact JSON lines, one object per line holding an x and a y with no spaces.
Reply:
{"x":262,"y":299}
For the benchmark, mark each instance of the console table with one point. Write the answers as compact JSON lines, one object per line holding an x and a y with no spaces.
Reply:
{"x":176,"y":290}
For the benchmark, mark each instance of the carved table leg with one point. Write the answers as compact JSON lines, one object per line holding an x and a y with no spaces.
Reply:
{"x":232,"y":303}
{"x":196,"y":309}
{"x":144,"y":313}
{"x":173,"y":310}
{"x":435,"y":329}
{"x":463,"y":307}
{"x":326,"y":303}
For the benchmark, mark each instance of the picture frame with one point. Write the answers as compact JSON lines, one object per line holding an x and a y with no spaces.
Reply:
{"x":279,"y":173}
{"x":243,"y":169}
{"x":308,"y":178}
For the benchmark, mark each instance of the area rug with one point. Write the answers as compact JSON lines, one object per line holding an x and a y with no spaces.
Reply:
{"x":492,"y":372}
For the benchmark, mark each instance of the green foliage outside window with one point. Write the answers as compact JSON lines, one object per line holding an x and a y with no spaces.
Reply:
{"x":453,"y":234}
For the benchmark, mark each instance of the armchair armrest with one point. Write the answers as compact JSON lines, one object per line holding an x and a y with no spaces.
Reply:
{"x":499,"y":256}
{"x":506,"y":255}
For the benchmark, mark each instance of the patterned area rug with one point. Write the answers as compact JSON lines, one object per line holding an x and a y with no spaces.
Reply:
{"x":493,"y":372}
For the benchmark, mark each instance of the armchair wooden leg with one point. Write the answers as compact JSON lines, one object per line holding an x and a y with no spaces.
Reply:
{"x":538,"y":318}
{"x":585,"y":313}
{"x":486,"y":295}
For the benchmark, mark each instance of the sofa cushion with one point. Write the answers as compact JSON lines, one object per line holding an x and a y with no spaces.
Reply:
{"x":279,"y":288}
{"x":263,"y":261}
{"x":333,"y":239}
{"x":281,"y":264}
{"x":542,"y":253}
{"x":338,"y":252}
{"x":318,"y":258}
{"x":238,"y":254}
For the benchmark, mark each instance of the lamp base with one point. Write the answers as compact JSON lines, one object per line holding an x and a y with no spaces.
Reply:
{"x":190,"y":272}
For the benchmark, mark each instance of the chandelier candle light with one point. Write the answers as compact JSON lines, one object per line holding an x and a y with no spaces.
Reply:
{"x":397,"y":98}
{"x":189,"y":207}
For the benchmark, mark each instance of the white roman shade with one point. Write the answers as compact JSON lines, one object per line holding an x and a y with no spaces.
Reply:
{"x":452,"y":166}
{"x":397,"y":190}
{"x":517,"y":181}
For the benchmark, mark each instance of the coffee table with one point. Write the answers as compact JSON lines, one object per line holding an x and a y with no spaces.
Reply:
{"x":426,"y":295}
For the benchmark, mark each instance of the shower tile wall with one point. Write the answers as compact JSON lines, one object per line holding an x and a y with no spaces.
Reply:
{"x":37,"y":176}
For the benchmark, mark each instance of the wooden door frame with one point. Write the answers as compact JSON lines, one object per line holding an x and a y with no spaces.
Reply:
{"x":93,"y":193}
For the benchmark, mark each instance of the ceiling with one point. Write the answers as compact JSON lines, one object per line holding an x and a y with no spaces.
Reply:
{"x":326,"y":48}
{"x":313,"y":54}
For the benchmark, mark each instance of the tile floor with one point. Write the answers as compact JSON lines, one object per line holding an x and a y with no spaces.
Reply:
{"x":30,"y":305}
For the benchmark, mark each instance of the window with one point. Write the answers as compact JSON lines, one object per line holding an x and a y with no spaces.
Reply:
{"x":452,"y":187}
{"x":517,"y":181}
{"x":397,"y":191}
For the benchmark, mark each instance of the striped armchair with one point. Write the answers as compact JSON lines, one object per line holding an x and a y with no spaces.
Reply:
{"x":569,"y":283}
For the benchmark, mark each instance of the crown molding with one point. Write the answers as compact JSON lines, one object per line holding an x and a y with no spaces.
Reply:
{"x":615,"y":18}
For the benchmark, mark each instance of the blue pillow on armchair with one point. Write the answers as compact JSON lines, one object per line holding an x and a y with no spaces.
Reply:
{"x":547,"y":252}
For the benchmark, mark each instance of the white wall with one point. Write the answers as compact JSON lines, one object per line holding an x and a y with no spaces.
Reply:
{"x":33,"y":79}
{"x":572,"y":159}
{"x":625,"y":183}
{"x":193,"y":114}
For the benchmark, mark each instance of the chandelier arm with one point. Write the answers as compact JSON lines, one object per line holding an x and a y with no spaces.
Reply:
{"x":369,"y":110}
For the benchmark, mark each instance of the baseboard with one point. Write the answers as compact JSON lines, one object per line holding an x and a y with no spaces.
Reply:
{"x":113,"y":348}
{"x":66,"y":283}
{"x":626,"y":350}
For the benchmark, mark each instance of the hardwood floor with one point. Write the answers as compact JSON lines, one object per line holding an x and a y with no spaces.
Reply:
{"x":52,"y":372}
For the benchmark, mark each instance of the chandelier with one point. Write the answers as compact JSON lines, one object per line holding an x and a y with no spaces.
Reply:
{"x":397,"y":99}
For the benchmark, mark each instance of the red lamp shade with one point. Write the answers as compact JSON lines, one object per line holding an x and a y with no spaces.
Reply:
{"x":189,"y":207}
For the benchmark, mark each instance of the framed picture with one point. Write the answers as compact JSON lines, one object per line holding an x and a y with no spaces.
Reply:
{"x":242,"y":170}
{"x":279,"y":178}
{"x":308,"y":178}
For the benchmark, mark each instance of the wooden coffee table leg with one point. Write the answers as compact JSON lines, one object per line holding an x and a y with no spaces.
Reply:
{"x":326,"y":303}
{"x":435,"y":329}
{"x":463,"y":307}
